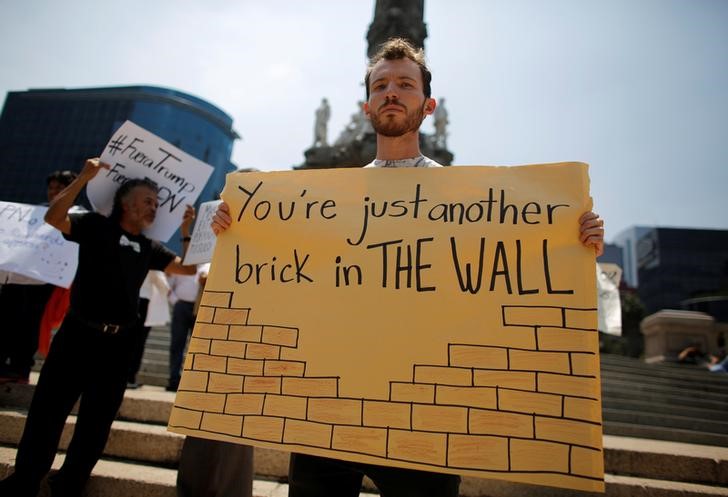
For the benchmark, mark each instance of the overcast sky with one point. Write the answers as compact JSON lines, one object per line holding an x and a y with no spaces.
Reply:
{"x":636,"y":88}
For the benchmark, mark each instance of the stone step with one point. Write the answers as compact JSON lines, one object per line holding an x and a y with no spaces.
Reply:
{"x":123,"y":479}
{"x":610,"y":391}
{"x":667,"y":420}
{"x":150,"y":404}
{"x":149,"y":443}
{"x":622,"y":359}
{"x":634,"y":472}
{"x":159,"y":335}
{"x":157,"y":343}
{"x":701,"y":374}
{"x":158,"y":355}
{"x":634,"y":384}
{"x":654,"y":371}
{"x":160,"y":330}
{"x":668,"y":383}
{"x":155,"y":366}
{"x":152,"y":379}
{"x":643,"y":405}
{"x":127,"y":479}
{"x":153,"y":404}
{"x":662,"y":460}
{"x":616,"y":486}
{"x":695,"y":371}
{"x":153,"y":444}
{"x":663,"y":433}
{"x":20,"y":395}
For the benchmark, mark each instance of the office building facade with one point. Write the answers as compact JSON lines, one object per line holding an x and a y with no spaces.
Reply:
{"x":677,"y":265}
{"x":627,"y":240}
{"x":46,"y":130}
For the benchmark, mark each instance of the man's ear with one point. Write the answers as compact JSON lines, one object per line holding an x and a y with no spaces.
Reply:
{"x":365,"y":108}
{"x":429,"y":106}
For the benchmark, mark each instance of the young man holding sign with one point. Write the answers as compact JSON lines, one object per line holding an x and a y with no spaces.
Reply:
{"x":398,"y":100}
{"x":90,"y":353}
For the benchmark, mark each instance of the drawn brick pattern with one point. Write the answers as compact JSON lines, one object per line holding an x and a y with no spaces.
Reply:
{"x":527,"y":404}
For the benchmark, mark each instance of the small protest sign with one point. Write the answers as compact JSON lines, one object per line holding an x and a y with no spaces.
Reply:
{"x":134,"y":152}
{"x":203,"y":240}
{"x":30,"y":247}
{"x":610,"y":308}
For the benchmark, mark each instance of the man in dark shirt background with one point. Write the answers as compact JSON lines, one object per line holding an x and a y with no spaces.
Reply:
{"x":89,"y":355}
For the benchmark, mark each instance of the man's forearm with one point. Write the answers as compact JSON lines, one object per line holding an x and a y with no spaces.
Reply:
{"x":57,"y":213}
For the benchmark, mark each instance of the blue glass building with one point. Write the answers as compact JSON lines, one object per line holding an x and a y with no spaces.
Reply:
{"x":45,"y":130}
{"x":683,"y":268}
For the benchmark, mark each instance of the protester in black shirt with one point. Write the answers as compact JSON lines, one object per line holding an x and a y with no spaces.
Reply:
{"x":89,"y":355}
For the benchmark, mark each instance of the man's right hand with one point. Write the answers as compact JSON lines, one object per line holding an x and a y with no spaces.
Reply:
{"x":221,"y":220}
{"x":91,"y":168}
{"x":57,"y":213}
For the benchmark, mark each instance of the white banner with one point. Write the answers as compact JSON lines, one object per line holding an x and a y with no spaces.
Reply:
{"x":203,"y":240}
{"x":133,"y":152}
{"x":608,"y":303}
{"x":30,"y":247}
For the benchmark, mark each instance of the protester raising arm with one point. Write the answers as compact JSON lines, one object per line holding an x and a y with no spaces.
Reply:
{"x":57,"y":213}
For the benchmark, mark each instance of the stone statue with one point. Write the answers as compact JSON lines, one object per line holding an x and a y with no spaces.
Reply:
{"x":323,"y":113}
{"x":356,"y":129}
{"x":441,"y":123}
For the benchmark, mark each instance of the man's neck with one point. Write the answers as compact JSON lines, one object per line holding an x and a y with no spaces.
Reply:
{"x":131,"y":228}
{"x":398,"y":147}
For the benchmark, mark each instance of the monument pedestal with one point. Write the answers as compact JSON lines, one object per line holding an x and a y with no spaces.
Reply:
{"x":668,"y":332}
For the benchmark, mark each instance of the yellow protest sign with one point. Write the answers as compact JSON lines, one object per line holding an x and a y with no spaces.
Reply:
{"x":441,"y":319}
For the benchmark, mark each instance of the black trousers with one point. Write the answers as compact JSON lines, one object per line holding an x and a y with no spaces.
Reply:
{"x":312,"y":476}
{"x":139,"y":341}
{"x":21,"y":307}
{"x":82,"y":362}
{"x":211,"y":468}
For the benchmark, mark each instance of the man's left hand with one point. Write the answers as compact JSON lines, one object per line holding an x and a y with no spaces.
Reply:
{"x":591,"y":232}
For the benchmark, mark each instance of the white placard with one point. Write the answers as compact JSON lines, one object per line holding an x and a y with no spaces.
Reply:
{"x":30,"y":247}
{"x":134,"y":152}
{"x":203,"y":240}
{"x":608,"y":303}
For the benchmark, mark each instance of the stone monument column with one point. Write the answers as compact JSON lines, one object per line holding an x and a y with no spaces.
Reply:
{"x":356,"y":145}
{"x":397,"y":18}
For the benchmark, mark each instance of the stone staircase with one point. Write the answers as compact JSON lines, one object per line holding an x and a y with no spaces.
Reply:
{"x":155,"y":364}
{"x":664,"y":401}
{"x":665,"y":435}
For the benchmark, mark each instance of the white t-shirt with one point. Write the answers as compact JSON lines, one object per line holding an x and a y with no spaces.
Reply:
{"x":420,"y":161}
{"x":185,"y":287}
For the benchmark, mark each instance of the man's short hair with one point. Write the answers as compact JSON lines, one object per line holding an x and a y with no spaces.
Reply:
{"x":123,"y":192}
{"x":65,"y":178}
{"x":399,"y":48}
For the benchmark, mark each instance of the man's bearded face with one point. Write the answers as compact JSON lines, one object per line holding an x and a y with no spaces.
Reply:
{"x":391,"y":123}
